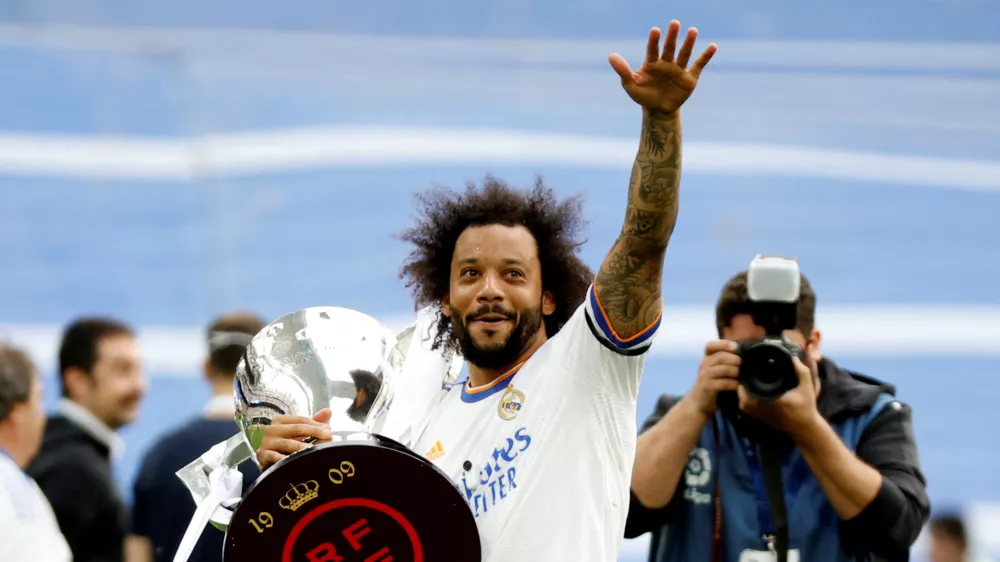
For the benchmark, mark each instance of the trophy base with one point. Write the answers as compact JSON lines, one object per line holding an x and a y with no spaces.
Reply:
{"x":359,"y":498}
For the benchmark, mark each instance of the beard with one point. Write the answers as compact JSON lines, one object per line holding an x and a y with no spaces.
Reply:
{"x":502,"y":355}
{"x":125,"y":413}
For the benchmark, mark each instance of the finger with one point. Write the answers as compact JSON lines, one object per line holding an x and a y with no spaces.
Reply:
{"x":621,"y":67}
{"x":723,"y":358}
{"x":813,"y":351}
{"x":285,"y":419}
{"x":268,"y":458}
{"x":283,"y":446}
{"x":721,"y":372}
{"x":747,"y":403}
{"x":805,"y":374}
{"x":810,"y":356}
{"x":299,"y":431}
{"x":671,"y":45}
{"x":702,"y":60}
{"x":715,"y":346}
{"x":724,"y":384}
{"x":687,"y":48}
{"x":653,"y":45}
{"x":323,"y":416}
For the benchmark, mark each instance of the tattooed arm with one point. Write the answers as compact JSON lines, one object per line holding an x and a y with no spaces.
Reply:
{"x":628,"y":283}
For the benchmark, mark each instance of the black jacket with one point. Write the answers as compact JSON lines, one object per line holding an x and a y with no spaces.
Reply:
{"x":163,"y":507}
{"x":890,"y":525}
{"x":73,"y":469}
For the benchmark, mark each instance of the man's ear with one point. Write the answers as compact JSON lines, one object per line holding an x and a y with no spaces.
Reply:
{"x":815,"y":350}
{"x":548,"y":303}
{"x":446,"y":306}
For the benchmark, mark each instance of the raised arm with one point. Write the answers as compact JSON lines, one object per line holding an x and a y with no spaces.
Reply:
{"x":628,"y":283}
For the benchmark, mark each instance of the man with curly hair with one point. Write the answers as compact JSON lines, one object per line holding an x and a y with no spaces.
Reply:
{"x":541,"y":437}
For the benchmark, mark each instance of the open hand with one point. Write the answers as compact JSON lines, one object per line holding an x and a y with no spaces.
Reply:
{"x":664,"y":82}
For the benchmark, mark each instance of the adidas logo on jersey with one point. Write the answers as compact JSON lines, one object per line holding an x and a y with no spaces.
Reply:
{"x":436,"y":452}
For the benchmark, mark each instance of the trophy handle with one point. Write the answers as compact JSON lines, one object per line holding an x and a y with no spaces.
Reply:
{"x":422,"y":375}
{"x":196,"y":477}
{"x":426,"y":318}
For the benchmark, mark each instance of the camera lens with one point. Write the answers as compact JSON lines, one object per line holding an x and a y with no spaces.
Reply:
{"x":767,"y":370}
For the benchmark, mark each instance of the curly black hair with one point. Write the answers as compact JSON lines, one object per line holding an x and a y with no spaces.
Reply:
{"x":445,"y":214}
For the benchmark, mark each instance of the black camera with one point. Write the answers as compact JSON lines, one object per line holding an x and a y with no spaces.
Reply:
{"x":767,"y":369}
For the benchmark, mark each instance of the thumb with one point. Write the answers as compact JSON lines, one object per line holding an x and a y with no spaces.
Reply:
{"x":743,"y":397}
{"x":620,"y":66}
{"x":323,"y":416}
{"x":805,"y":375}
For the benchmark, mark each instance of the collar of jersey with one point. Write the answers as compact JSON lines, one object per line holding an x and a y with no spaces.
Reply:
{"x":471,"y":395}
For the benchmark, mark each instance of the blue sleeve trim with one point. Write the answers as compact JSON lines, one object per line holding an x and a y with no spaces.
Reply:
{"x":606,"y":332}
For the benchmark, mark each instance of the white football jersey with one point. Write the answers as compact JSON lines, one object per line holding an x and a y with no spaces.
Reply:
{"x":28,"y":528}
{"x":544,"y":454}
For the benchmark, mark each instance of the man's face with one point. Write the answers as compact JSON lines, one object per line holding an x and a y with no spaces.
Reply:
{"x":116,"y":385}
{"x":742,"y":328}
{"x":495,"y":299}
{"x":945,"y":549}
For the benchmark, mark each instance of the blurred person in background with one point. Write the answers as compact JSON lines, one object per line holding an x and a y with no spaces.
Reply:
{"x":28,"y":528}
{"x":852,"y":483}
{"x":102,"y":387}
{"x":554,"y":354}
{"x":162,"y":508}
{"x":948,"y":539}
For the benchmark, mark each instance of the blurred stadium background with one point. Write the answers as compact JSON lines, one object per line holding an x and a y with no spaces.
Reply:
{"x":164,"y":162}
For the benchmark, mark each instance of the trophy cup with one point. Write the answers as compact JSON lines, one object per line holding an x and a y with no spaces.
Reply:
{"x":363,"y":496}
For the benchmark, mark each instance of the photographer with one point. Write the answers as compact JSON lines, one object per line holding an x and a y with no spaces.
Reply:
{"x":776,"y":453}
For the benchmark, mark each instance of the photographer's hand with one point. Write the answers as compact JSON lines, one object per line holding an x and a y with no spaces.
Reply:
{"x":849,"y":484}
{"x":794,"y":411}
{"x":719,"y":371}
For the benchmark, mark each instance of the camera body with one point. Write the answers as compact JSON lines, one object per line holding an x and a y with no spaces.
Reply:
{"x":767,"y":370}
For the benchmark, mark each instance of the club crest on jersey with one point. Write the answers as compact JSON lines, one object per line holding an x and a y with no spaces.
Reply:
{"x":510,"y":403}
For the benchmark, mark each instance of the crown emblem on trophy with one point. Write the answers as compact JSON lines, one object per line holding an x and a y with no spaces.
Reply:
{"x":299,"y":495}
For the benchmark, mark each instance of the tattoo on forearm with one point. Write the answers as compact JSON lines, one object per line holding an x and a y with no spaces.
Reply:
{"x":655,"y":180}
{"x":628,"y":283}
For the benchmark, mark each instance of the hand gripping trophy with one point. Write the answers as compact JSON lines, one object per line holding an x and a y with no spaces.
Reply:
{"x":363,"y":496}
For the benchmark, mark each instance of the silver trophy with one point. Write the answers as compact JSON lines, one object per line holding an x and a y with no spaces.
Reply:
{"x":313,"y":359}
{"x":303,"y":362}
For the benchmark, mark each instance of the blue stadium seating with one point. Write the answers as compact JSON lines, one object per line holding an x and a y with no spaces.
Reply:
{"x":173,"y":251}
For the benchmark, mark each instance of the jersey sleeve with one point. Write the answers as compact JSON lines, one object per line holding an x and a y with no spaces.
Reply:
{"x":600,"y":327}
{"x":595,"y":351}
